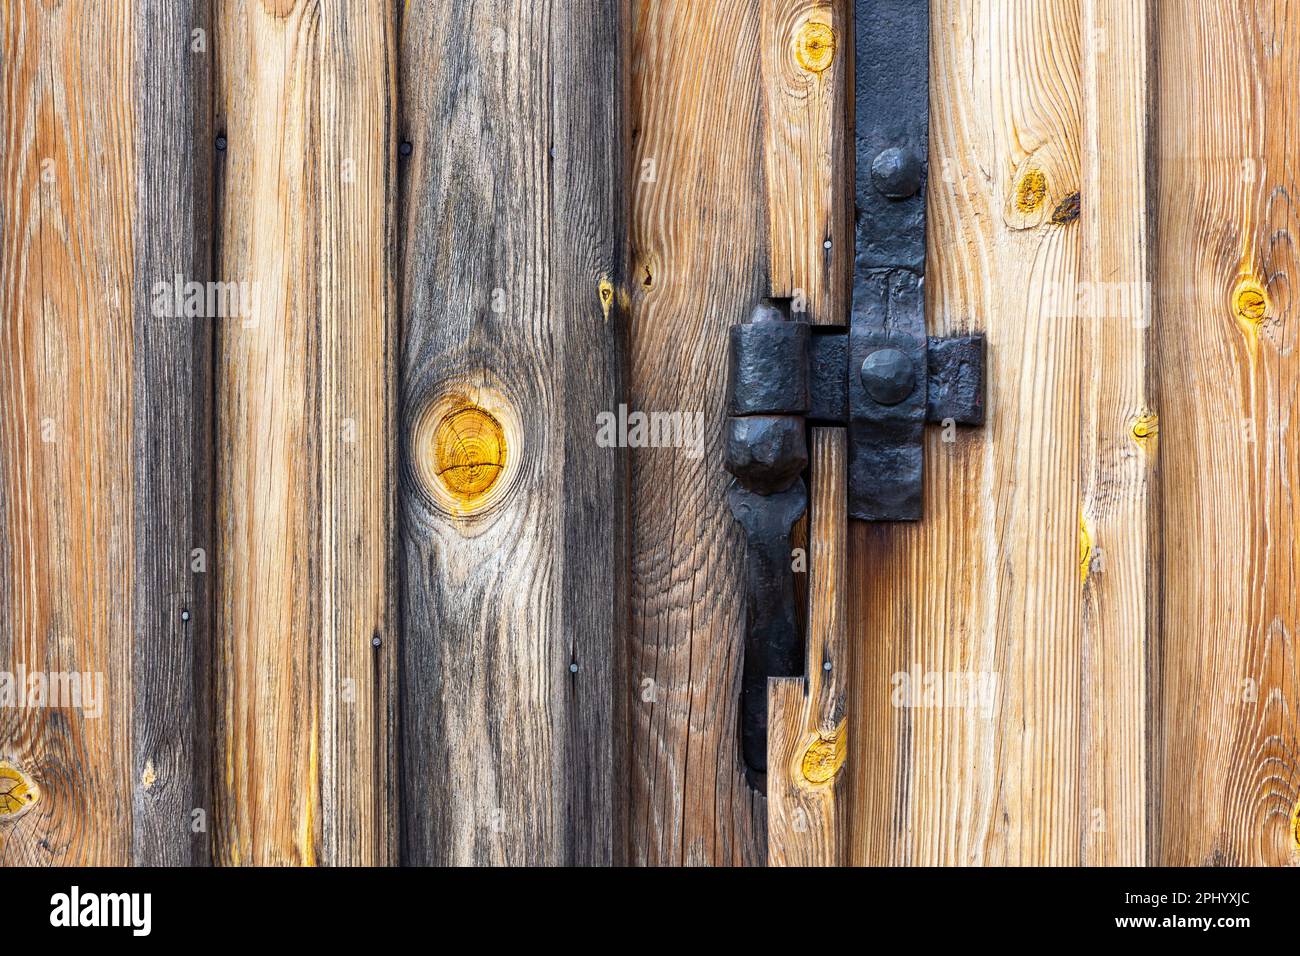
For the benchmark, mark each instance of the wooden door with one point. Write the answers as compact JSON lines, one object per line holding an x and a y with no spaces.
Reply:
{"x":312,"y":315}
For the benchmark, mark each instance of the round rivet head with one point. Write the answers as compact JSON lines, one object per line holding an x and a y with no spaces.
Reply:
{"x":888,"y":376}
{"x":897,"y":172}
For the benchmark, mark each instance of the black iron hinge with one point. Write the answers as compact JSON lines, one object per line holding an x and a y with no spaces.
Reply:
{"x":882,"y":377}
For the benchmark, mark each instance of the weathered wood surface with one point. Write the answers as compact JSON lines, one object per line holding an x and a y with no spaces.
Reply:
{"x":67,"y":193}
{"x":699,"y":263}
{"x":805,"y":62}
{"x":1118,"y":432}
{"x":512,"y":291}
{"x":1227,"y":159}
{"x":172,"y":417}
{"x":356,"y":382}
{"x":988,"y":582}
{"x":1094,"y":164}
{"x":807,"y":807}
{"x":304,"y":378}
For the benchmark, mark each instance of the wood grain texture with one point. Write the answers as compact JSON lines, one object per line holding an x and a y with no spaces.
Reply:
{"x":268,"y":672}
{"x":513,"y":264}
{"x":305,"y":772}
{"x":172,"y":418}
{"x":67,"y":189}
{"x":1228,"y":680}
{"x":1118,"y":431}
{"x":700,"y":262}
{"x":987,"y":584}
{"x":805,"y":59}
{"x":807,"y":808}
{"x":357,"y":388}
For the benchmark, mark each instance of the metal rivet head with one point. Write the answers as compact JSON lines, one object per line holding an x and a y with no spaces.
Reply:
{"x":406,"y":148}
{"x":888,"y":376}
{"x":375,"y":641}
{"x":573,"y":668}
{"x":897,"y":172}
{"x":221,"y":144}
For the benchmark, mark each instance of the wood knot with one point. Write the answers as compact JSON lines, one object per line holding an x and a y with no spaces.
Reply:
{"x":1066,"y":211}
{"x":1031,"y":191}
{"x":470,"y":451}
{"x":18,"y":792}
{"x":824,"y":756}
{"x":1145,"y":429}
{"x":606,"y":291}
{"x":464,"y":449}
{"x":1251,"y":302}
{"x":814,"y":46}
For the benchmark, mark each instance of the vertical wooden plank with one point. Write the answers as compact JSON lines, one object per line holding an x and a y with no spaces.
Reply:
{"x":1119,"y":516}
{"x":67,"y":188}
{"x":700,"y":262}
{"x":807,"y":808}
{"x":171,"y":407}
{"x":306,"y":657}
{"x":357,"y":380}
{"x":512,"y":289}
{"x":986,"y":587}
{"x":1228,"y":679}
{"x":809,"y":198}
{"x":805,"y":61}
{"x":268,"y":671}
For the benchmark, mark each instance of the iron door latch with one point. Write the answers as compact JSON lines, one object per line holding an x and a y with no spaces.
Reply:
{"x":881,"y":377}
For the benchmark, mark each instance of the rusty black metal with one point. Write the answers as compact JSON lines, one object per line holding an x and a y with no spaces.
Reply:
{"x":882,"y":377}
{"x":766,"y":453}
{"x":892,"y":110}
{"x":773,"y":644}
{"x":956,"y":380}
{"x":769,"y":363}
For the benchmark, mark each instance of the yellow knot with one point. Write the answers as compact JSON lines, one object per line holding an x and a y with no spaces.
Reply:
{"x":1145,"y":429}
{"x":1251,"y":303}
{"x":824,"y":756}
{"x":18,"y":793}
{"x":1031,"y":191}
{"x":1085,"y":550}
{"x":606,"y":290}
{"x":814,"y":46}
{"x":470,"y":452}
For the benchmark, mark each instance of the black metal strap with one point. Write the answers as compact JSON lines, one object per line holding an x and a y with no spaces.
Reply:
{"x":887,"y":342}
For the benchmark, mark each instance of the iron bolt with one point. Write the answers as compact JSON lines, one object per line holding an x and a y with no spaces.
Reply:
{"x":888,"y":376}
{"x":897,"y":172}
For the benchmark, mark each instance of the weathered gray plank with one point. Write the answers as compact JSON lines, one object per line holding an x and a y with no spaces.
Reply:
{"x":172,"y":438}
{"x":512,"y":516}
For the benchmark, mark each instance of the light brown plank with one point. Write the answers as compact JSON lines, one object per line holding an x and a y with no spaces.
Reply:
{"x":1118,"y":433}
{"x":304,"y":772}
{"x":1228,"y":678}
{"x":805,"y":61}
{"x":699,"y":264}
{"x":268,"y":658}
{"x":988,"y":583}
{"x":807,"y":809}
{"x":357,"y":382}
{"x":67,"y":188}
